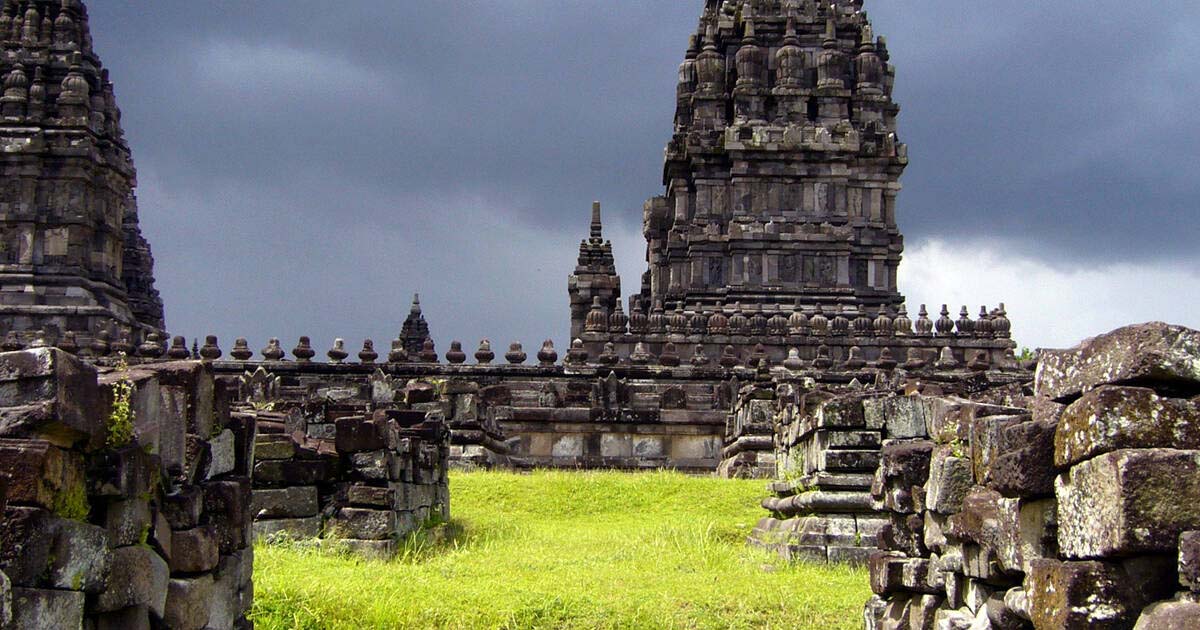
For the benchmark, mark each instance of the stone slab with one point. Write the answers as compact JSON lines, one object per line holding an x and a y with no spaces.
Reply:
{"x":293,"y":502}
{"x":39,"y":609}
{"x":1111,"y":418}
{"x":139,"y":577}
{"x":1156,"y":354}
{"x":1129,"y":501}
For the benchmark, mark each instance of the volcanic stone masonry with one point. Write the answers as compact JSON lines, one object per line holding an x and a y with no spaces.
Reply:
{"x":74,"y":266}
{"x":125,"y":497}
{"x":1078,"y":510}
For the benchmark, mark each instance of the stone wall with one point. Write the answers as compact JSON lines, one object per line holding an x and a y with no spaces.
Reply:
{"x":355,"y":474}
{"x":1081,"y":511}
{"x":121,"y":516}
{"x":828,"y":441}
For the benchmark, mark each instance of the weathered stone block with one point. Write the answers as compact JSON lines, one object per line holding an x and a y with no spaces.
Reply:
{"x":126,"y":472}
{"x":1130,"y":501}
{"x":128,"y":521}
{"x":947,"y":619}
{"x":1158,"y":354}
{"x":1189,"y":560}
{"x":1109,"y":418}
{"x":1082,"y":595}
{"x":903,"y":533}
{"x":844,"y":413}
{"x":1001,"y":616}
{"x":5,"y":600}
{"x":357,"y":434}
{"x":194,"y":550}
{"x":79,"y":557}
{"x":137,"y":618}
{"x":182,"y":509}
{"x":1026,"y":467}
{"x":24,"y":552}
{"x":293,"y":502}
{"x":227,"y":504}
{"x":903,"y":469}
{"x":293,"y":472}
{"x":901,"y":417}
{"x":376,"y":465}
{"x":1178,"y":615}
{"x":992,"y":523}
{"x":38,"y":609}
{"x":48,"y":394}
{"x":274,"y":446}
{"x":224,"y":454}
{"x":950,"y":478}
{"x":189,"y":601}
{"x":1038,"y":535}
{"x":42,"y":475}
{"x":139,"y":577}
{"x":922,"y":610}
{"x":365,"y":524}
{"x":887,"y":572}
{"x":295,"y":528}
{"x":187,"y":391}
{"x":987,"y":443}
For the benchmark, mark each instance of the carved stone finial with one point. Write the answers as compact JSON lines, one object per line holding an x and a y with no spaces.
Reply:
{"x":337,"y":354}
{"x":947,"y":361}
{"x":516,"y":354}
{"x":101,"y":347}
{"x":924,"y":324}
{"x":484,"y":355}
{"x":597,"y":228}
{"x":618,"y":323}
{"x":966,"y":327}
{"x":211,"y":350}
{"x":69,"y":343}
{"x":368,"y":355}
{"x":669,"y":356}
{"x":241,"y":350}
{"x":883,"y":324}
{"x":886,"y":361}
{"x":945,"y":325}
{"x":913,"y":360}
{"x":700,"y":357}
{"x":793,"y":362}
{"x":578,"y":354}
{"x":596,"y":321}
{"x":428,"y":351}
{"x":398,"y":354}
{"x":983,"y":325}
{"x":902,"y":324}
{"x":178,"y":350}
{"x":640,"y":356}
{"x":729,"y":357}
{"x":819,"y":323}
{"x":303,"y":351}
{"x":823,"y":361}
{"x":548,"y":356}
{"x":273,"y":351}
{"x":609,"y":356}
{"x":1001,"y":326}
{"x":855,"y":361}
{"x":456,"y":355}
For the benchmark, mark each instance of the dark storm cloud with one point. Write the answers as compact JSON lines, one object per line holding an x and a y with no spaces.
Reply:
{"x":307,"y":164}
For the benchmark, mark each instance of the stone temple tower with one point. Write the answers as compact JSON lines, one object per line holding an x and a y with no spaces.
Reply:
{"x":72,"y":257}
{"x":782,"y":173}
{"x":776,"y":236}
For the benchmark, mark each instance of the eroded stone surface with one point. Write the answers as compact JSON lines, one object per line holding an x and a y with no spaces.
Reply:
{"x":1110,"y":418}
{"x":1130,"y":501}
{"x":1166,"y":355}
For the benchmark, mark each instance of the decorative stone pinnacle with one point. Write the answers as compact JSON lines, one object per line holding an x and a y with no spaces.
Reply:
{"x":597,"y":226}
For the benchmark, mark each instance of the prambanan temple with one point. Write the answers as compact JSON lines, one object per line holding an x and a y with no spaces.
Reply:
{"x":768,"y":338}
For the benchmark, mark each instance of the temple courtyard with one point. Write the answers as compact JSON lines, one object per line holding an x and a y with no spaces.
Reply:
{"x":566,"y":550}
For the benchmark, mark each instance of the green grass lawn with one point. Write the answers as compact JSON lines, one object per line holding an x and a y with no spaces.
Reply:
{"x":567,"y":550}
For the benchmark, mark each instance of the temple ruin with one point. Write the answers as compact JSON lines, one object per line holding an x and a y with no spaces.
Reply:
{"x":767,"y":339}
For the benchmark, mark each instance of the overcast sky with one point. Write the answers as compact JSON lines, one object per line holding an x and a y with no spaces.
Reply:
{"x":306,"y":166}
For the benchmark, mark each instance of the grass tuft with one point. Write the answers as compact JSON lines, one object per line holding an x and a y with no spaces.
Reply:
{"x":566,"y":550}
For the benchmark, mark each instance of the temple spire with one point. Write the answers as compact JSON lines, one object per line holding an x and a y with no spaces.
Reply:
{"x":597,"y":226}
